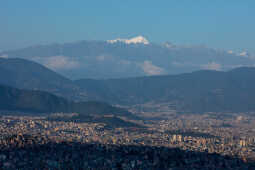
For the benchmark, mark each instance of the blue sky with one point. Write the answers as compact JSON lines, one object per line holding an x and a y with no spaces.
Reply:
{"x":227,"y":24}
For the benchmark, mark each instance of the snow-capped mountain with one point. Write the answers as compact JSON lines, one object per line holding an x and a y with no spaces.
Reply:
{"x":139,"y":57}
{"x":135,"y":40}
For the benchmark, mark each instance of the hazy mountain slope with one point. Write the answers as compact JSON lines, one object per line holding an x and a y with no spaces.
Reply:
{"x":144,"y":89}
{"x":201,"y":91}
{"x":32,"y":101}
{"x":102,"y":59}
{"x":44,"y":102}
{"x":26,"y":74}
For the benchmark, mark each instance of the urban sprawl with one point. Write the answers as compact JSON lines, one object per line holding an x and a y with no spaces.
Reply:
{"x":229,"y":135}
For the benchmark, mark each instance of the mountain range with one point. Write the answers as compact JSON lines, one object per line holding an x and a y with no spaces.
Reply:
{"x":199,"y":91}
{"x":134,"y":57}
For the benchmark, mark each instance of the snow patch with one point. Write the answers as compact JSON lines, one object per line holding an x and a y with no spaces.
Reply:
{"x":135,"y":40}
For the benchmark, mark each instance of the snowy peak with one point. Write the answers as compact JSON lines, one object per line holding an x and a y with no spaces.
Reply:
{"x":135,"y":40}
{"x":139,"y":39}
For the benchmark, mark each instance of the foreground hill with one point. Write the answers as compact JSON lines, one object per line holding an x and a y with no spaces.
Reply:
{"x":43,"y":102}
{"x":26,"y":74}
{"x":201,"y":91}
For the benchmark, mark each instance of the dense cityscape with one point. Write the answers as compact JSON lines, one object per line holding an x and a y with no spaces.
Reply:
{"x":226,"y":135}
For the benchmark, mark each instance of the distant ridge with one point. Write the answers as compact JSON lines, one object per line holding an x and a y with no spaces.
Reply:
{"x":199,"y":92}
{"x":122,"y":58}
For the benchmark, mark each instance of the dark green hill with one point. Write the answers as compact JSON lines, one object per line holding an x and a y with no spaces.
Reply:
{"x":44,"y":102}
{"x":201,"y":91}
